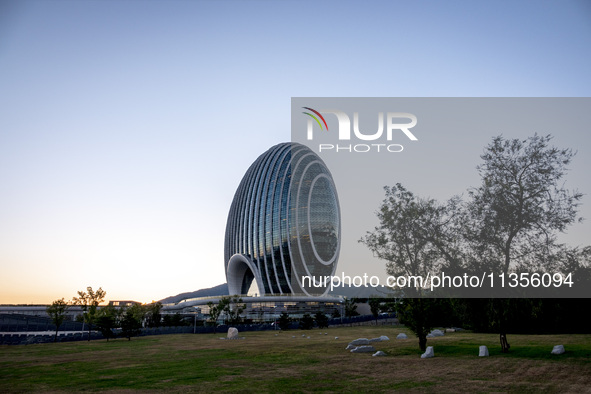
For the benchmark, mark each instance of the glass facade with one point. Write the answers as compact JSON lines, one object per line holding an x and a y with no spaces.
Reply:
{"x":284,"y":223}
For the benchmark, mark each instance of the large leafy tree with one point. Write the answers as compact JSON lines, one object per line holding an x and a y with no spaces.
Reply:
{"x":513,"y":218}
{"x":416,"y":237}
{"x":510,"y":222}
{"x":89,"y":300}
{"x":516,"y":213}
{"x":57,"y":312}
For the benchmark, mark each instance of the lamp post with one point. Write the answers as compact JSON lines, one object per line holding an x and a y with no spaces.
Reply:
{"x":195,"y":320}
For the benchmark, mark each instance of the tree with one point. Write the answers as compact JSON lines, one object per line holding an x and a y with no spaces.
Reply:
{"x":233,"y":307}
{"x":215,"y":312}
{"x":131,"y":321}
{"x":374,"y":306}
{"x":510,"y":222}
{"x":89,"y":302}
{"x":417,"y":315}
{"x":306,"y":322}
{"x":107,"y":320}
{"x":321,"y":319}
{"x":514,"y":216}
{"x":153,"y":316}
{"x":350,"y":308}
{"x":57,"y":312}
{"x":416,"y":237}
{"x":284,"y":321}
{"x":175,"y":320}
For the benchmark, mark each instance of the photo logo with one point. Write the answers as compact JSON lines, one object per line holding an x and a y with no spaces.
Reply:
{"x":396,"y":123}
{"x":315,"y":118}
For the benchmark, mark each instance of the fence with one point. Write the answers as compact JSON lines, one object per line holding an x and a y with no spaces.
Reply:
{"x":23,"y":330}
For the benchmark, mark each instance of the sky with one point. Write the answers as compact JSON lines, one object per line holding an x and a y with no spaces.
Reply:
{"x":126,"y":126}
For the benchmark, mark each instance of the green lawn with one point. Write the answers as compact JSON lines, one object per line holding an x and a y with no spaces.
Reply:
{"x":277,"y":362}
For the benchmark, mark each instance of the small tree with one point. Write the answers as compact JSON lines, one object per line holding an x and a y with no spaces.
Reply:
{"x":350,"y":309}
{"x":89,"y":301}
{"x":374,"y":306}
{"x":214,"y":313}
{"x":321,"y":319}
{"x":233,"y":307}
{"x":107,"y":320}
{"x":284,"y":321}
{"x":153,"y":316}
{"x":131,"y":322}
{"x":57,"y":312}
{"x":306,"y":322}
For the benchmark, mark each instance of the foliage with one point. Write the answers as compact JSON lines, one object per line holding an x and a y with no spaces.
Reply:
{"x":374,"y":306}
{"x":350,"y":308}
{"x":284,"y":321}
{"x":233,"y":309}
{"x":131,"y":321}
{"x":416,"y":236}
{"x":214,"y":313}
{"x":107,"y":320}
{"x":175,"y":320}
{"x":89,"y":301}
{"x":321,"y":319}
{"x":513,"y":217}
{"x":510,"y":222}
{"x":153,"y":316}
{"x":57,"y":312}
{"x":417,"y":315}
{"x":306,"y":322}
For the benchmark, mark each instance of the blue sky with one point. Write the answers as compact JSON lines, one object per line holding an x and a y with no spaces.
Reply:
{"x":126,"y":126}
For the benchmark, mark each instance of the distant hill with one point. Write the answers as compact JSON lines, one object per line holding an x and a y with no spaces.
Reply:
{"x":222,"y":290}
{"x":219,"y":290}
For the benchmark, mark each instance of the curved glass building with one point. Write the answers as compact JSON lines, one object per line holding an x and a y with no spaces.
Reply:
{"x":284,"y":224}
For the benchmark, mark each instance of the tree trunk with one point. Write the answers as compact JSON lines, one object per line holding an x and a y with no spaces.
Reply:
{"x":55,"y":337}
{"x":423,"y":342}
{"x":504,"y":344}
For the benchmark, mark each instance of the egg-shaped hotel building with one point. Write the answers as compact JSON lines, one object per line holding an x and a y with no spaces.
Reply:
{"x":284,"y":225}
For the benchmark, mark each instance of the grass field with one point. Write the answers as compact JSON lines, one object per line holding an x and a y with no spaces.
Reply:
{"x":266,"y":362}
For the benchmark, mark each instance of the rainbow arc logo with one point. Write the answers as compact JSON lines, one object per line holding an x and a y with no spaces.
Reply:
{"x":315,"y":118}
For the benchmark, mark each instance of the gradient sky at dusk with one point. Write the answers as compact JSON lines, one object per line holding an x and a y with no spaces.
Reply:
{"x":125,"y":127}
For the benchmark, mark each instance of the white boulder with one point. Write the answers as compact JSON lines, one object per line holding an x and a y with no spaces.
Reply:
{"x":360,"y":342}
{"x":384,"y":338}
{"x":364,"y":349}
{"x":379,"y":353}
{"x":558,"y":349}
{"x":401,"y":336}
{"x":232,"y":333}
{"x":437,"y":333}
{"x":482,"y":351}
{"x":428,"y":353}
